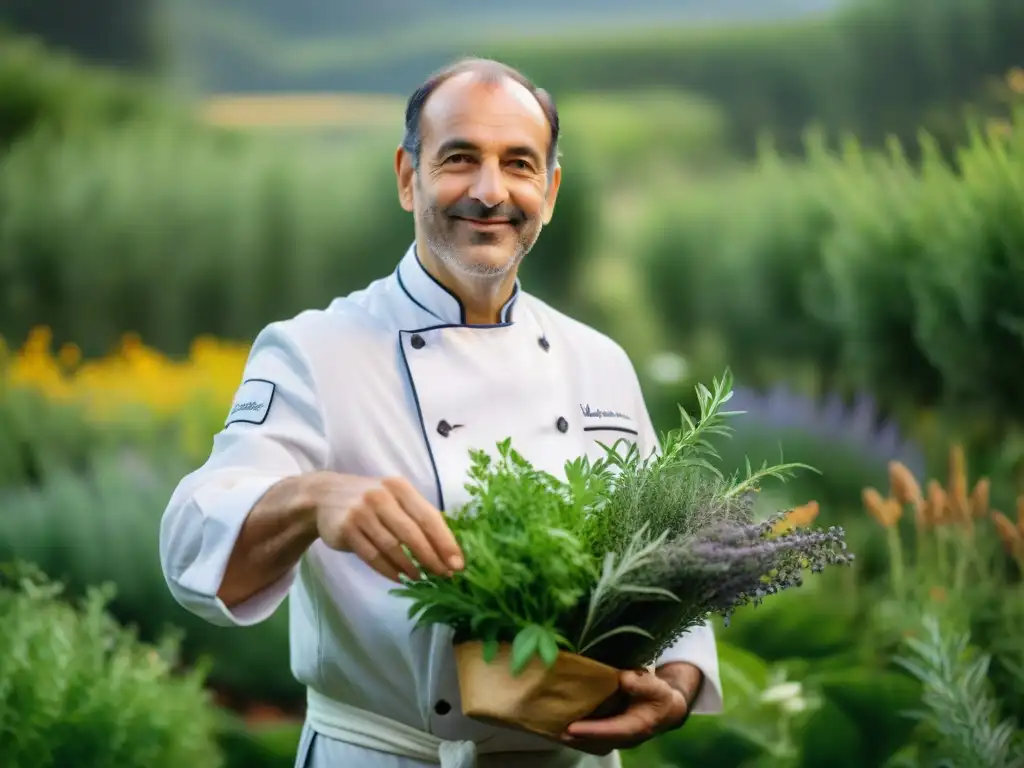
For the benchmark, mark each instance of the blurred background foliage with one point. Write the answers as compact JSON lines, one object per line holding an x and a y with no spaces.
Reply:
{"x":824,"y":196}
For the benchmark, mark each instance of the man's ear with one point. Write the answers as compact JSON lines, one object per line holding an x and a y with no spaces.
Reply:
{"x":404,"y":173}
{"x":552,"y":193}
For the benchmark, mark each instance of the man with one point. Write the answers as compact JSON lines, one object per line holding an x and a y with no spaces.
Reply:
{"x":350,"y":434}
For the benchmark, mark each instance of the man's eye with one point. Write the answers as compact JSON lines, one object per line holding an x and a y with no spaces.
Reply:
{"x":459,"y":158}
{"x":522,"y":165}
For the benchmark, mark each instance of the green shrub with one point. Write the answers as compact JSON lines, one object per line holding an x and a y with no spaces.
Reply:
{"x":76,"y":689}
{"x":902,"y":281}
{"x":42,"y":88}
{"x":927,"y":272}
{"x":969,"y":289}
{"x":39,"y":437}
{"x":870,"y":258}
{"x":633,"y":134}
{"x":102,"y":525}
{"x":177,"y":233}
{"x":740,"y":258}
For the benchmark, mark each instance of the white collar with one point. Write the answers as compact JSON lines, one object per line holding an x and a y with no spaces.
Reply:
{"x":428,"y":294}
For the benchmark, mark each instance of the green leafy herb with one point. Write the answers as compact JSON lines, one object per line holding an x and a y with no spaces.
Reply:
{"x":619,"y":557}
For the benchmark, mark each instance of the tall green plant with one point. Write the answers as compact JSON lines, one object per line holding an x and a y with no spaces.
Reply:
{"x":954,"y":567}
{"x":969,"y":287}
{"x":155,"y":216}
{"x":962,"y":720}
{"x":101,"y":524}
{"x":738,"y":259}
{"x":886,"y":276}
{"x":78,"y":689}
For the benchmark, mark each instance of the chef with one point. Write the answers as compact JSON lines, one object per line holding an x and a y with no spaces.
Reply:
{"x":350,"y":436}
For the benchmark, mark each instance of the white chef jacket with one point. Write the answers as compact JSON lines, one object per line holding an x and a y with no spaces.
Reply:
{"x":391,"y":381}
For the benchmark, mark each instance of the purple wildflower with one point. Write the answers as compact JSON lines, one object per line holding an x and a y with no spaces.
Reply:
{"x":859,"y":425}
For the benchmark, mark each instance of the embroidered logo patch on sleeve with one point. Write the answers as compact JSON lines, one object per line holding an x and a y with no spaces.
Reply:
{"x":252,"y":402}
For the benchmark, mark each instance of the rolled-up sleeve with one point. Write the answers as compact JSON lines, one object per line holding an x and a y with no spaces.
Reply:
{"x":274,"y":430}
{"x":696,"y":646}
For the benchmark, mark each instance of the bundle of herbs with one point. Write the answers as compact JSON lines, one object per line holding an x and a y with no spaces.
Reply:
{"x":617,"y":559}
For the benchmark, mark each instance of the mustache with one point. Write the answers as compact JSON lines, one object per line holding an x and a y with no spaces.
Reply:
{"x":467,"y":208}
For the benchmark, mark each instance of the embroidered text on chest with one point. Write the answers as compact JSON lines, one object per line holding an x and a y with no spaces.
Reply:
{"x":598,"y":413}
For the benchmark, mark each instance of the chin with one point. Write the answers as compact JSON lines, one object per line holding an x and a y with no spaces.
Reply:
{"x":483,"y":260}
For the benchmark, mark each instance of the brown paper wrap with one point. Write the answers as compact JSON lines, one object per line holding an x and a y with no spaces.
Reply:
{"x":539,"y":700}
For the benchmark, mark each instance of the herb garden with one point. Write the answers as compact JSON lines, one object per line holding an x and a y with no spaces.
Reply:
{"x":866,"y":590}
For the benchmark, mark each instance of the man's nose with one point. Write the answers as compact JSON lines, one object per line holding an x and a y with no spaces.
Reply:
{"x":489,"y":185}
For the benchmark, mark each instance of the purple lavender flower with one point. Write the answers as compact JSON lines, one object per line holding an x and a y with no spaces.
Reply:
{"x":727,"y":565}
{"x":829,"y":420}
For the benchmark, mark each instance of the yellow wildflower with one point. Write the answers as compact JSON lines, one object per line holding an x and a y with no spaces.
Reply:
{"x":133,"y":375}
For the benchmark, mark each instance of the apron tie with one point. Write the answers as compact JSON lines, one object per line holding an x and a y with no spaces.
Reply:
{"x":457,"y":754}
{"x":355,"y":726}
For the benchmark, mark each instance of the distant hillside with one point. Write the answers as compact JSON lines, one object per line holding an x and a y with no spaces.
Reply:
{"x":388,"y":45}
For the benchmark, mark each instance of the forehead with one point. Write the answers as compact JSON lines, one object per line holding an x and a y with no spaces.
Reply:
{"x":487,"y":112}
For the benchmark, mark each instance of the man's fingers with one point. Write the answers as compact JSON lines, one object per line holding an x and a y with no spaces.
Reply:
{"x":367,"y":551}
{"x":649,"y":697}
{"x":388,"y":545}
{"x":431,"y":521}
{"x":406,"y":530}
{"x":643,"y":685}
{"x":396,"y":528}
{"x":634,"y":723}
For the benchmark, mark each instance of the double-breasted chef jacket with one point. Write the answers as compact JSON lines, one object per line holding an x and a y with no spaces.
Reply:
{"x":391,"y":381}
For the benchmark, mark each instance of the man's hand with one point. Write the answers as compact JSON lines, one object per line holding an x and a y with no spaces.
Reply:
{"x":375,"y":518}
{"x":657,"y":703}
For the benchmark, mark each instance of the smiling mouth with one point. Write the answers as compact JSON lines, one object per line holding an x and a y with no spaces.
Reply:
{"x":485,"y":223}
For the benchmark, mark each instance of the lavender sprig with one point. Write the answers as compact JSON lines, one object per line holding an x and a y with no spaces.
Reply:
{"x":716,"y":571}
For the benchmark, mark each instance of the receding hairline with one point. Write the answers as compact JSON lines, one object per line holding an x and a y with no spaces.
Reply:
{"x":490,"y":81}
{"x":488,"y":72}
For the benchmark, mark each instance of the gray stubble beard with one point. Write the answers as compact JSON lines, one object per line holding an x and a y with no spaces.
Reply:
{"x":447,"y":252}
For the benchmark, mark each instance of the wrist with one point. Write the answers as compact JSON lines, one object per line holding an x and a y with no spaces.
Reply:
{"x":305,"y":500}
